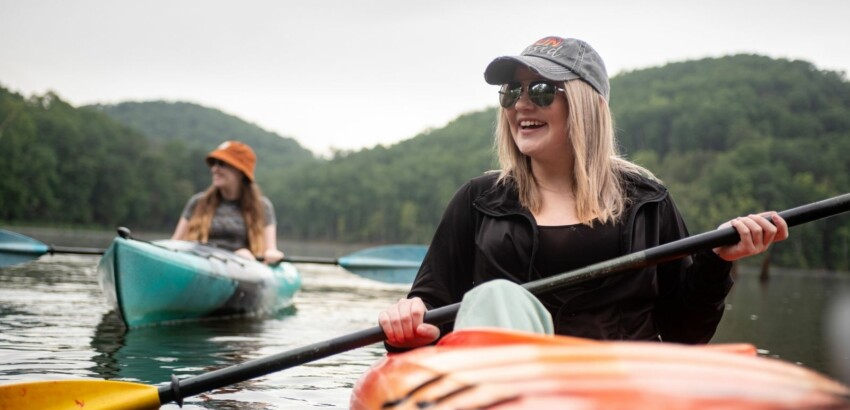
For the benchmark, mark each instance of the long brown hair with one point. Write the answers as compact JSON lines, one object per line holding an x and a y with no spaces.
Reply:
{"x":250,"y":202}
{"x":597,"y":166}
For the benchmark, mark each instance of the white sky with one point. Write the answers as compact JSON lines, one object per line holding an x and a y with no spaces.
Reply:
{"x":349,"y":74}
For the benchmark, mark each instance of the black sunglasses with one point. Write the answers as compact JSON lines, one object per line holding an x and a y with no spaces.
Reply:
{"x":541,"y":93}
{"x":216,"y":161}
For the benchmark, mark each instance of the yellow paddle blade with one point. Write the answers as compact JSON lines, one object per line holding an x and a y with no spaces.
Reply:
{"x":78,"y":395}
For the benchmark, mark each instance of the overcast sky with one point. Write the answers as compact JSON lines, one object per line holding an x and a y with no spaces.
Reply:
{"x":350,"y":74}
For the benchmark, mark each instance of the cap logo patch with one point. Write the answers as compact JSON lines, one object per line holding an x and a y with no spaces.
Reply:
{"x":549,"y":42}
{"x":549,"y":46}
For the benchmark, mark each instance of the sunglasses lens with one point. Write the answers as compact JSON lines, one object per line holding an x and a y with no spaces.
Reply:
{"x":542,"y":94}
{"x":509,"y":94}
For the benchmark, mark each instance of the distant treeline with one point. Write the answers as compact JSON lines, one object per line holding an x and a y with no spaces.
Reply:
{"x":728,"y":136}
{"x":62,"y":165}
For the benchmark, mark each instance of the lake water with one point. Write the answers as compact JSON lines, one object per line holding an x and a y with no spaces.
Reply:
{"x":55,"y":324}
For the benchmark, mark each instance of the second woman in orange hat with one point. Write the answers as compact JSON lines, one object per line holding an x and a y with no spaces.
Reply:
{"x":232,"y":213}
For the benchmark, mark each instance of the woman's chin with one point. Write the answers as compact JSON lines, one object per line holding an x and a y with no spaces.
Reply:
{"x":531,"y":149}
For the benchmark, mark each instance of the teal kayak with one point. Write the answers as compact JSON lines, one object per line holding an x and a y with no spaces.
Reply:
{"x":171,"y":281}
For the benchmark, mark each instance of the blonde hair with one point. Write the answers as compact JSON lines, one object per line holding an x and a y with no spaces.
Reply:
{"x":250,"y":202}
{"x":598,"y":168}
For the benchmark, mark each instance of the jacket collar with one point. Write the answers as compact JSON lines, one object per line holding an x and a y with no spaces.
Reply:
{"x":499,"y":198}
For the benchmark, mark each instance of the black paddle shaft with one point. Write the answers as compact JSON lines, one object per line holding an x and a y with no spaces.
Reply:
{"x":312,"y":259}
{"x":178,"y":389}
{"x":74,"y":250}
{"x":684,"y":247}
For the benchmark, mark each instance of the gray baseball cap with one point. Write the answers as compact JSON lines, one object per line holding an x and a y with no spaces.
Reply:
{"x":557,"y":59}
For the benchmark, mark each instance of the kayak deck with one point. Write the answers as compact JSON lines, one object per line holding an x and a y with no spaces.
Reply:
{"x":496,"y":369}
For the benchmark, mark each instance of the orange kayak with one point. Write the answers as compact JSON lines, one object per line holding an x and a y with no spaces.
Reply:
{"x":500,"y":369}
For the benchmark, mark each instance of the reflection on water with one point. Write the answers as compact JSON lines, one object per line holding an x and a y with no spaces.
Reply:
{"x":46,"y":309}
{"x":838,"y":335}
{"x":152,"y":354}
{"x":786,"y":317}
{"x":54,"y":324}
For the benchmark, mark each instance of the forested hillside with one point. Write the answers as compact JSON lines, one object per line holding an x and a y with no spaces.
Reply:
{"x":386,"y":194}
{"x":728,"y":136}
{"x":63,"y":165}
{"x":201,"y":129}
{"x":741,"y":134}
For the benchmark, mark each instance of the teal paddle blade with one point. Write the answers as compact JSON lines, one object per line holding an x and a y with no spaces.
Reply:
{"x":16,"y":248}
{"x":389,"y":264}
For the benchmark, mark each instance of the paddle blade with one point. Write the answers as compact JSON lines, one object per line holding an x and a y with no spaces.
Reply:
{"x":390,"y":264}
{"x":16,"y":248}
{"x":78,"y":394}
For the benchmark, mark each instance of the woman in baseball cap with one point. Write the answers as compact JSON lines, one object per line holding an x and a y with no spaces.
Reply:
{"x":564,"y":199}
{"x":232,"y":213}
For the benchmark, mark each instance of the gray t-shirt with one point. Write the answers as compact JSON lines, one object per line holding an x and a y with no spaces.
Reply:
{"x":228,"y":229}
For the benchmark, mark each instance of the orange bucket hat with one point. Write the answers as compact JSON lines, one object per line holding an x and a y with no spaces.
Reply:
{"x":237,"y":155}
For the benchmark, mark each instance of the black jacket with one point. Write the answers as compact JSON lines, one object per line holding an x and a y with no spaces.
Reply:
{"x":486,"y":234}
